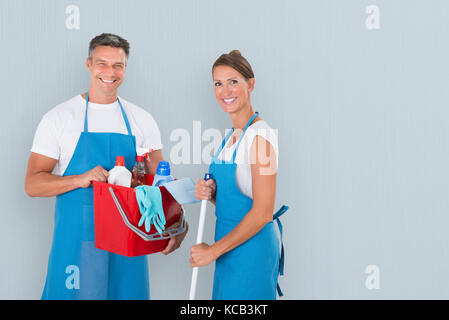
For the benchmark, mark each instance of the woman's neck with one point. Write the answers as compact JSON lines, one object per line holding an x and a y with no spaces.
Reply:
{"x":240,"y":118}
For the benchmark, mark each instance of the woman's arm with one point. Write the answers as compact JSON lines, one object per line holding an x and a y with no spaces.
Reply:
{"x":263,"y":172}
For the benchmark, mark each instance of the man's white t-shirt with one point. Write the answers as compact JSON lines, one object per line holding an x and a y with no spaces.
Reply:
{"x":60,"y":128}
{"x":242,"y":158}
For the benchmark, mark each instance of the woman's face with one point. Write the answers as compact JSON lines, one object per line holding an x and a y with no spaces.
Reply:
{"x":232,"y":90}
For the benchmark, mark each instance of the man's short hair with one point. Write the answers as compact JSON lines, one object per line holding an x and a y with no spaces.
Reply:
{"x":109,"y":40}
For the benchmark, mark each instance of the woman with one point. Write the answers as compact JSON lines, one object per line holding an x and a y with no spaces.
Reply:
{"x":243,"y":188}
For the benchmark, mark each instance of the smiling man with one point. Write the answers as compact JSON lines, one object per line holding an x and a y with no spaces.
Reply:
{"x":76,"y":143}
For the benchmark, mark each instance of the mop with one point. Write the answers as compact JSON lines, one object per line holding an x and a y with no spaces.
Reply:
{"x":199,"y":239}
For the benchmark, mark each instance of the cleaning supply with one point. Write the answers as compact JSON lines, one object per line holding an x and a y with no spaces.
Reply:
{"x":199,"y":239}
{"x":182,"y":190}
{"x":119,"y":175}
{"x":162,"y":174}
{"x":138,"y":173}
{"x":149,"y":200}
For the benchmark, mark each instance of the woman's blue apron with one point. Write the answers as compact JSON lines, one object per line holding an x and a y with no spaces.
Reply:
{"x":249,"y":271}
{"x":76,"y":269}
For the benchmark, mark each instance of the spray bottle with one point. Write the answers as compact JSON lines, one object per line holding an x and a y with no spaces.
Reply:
{"x":138,"y":173}
{"x":162,"y":174}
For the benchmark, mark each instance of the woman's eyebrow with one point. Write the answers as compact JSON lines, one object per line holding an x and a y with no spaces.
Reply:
{"x":234,"y":78}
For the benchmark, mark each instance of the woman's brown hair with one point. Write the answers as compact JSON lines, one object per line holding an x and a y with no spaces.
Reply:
{"x":235,"y":60}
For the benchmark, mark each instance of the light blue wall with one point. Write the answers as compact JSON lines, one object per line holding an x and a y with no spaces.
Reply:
{"x":362,"y":117}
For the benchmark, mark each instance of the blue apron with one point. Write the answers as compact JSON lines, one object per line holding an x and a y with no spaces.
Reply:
{"x":249,"y":271}
{"x":76,"y":269}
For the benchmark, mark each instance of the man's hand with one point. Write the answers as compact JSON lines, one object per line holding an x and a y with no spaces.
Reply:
{"x":96,"y":174}
{"x":175,"y":242}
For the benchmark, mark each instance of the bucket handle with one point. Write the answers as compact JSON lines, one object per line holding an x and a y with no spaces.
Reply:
{"x":153,"y":236}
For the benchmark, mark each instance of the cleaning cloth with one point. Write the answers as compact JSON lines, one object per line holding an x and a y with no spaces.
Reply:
{"x":183,"y":190}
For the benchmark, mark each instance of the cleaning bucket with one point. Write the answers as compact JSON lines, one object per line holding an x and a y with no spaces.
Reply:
{"x":117,"y":215}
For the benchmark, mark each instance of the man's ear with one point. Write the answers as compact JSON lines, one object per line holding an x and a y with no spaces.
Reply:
{"x":88,"y":65}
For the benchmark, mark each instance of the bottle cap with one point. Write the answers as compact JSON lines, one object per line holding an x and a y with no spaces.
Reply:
{"x":163,"y":168}
{"x":139,"y":158}
{"x":120,"y":161}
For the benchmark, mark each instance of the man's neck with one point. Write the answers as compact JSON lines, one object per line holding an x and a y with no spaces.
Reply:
{"x":94,"y":97}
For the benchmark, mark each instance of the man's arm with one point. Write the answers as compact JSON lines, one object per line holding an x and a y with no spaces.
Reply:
{"x":40,"y":182}
{"x":151,"y":164}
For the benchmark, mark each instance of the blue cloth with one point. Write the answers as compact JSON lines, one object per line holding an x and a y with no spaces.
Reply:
{"x":149,"y":200}
{"x":183,"y":190}
{"x":249,"y":271}
{"x":76,"y":269}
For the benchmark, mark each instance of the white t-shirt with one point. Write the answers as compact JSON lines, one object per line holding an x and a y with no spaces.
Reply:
{"x":60,"y":128}
{"x":242,"y":159}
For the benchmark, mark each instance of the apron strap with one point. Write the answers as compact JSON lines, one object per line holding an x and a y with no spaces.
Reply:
{"x":276,"y":216}
{"x":85,"y":116}
{"x":223,"y":143}
{"x":243,"y":133}
{"x":128,"y":127}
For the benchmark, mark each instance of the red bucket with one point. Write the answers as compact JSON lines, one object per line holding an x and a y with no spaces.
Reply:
{"x":117,"y":215}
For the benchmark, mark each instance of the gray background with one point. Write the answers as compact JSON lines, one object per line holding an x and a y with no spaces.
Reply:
{"x":362,"y":118}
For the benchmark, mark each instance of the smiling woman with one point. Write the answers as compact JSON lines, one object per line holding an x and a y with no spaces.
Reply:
{"x":233,"y":81}
{"x":243,"y":188}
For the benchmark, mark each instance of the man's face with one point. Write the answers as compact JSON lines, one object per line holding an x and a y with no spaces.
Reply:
{"x":107,"y":68}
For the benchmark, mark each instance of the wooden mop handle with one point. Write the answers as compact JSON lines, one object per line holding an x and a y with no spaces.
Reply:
{"x":199,"y":239}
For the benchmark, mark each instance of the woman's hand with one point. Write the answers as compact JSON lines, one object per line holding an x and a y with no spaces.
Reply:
{"x":202,"y":254}
{"x":205,"y":190}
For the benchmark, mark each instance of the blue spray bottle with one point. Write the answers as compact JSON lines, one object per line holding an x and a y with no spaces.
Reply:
{"x":162,"y":174}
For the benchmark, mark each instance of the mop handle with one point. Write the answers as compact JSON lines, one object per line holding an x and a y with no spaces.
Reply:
{"x":199,"y":239}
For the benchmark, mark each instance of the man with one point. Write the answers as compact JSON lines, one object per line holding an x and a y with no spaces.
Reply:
{"x":76,"y":143}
